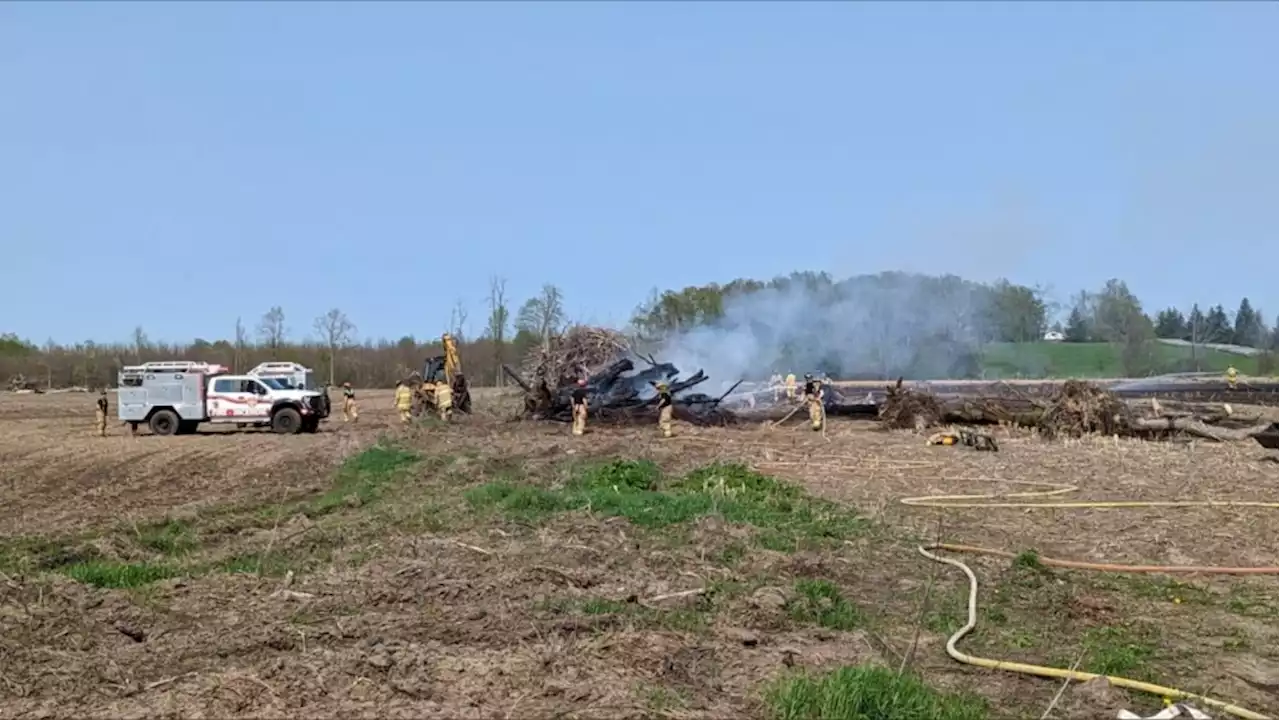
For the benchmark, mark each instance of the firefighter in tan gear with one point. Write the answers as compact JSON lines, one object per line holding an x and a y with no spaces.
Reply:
{"x":665,"y":404}
{"x":100,"y":414}
{"x":775,"y":384}
{"x":404,"y":402}
{"x":1233,"y":376}
{"x":578,"y":400}
{"x":791,"y":386}
{"x":444,"y":401}
{"x":350,"y":411}
{"x":813,"y":398}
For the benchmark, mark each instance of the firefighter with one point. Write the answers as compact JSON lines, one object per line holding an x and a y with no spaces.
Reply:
{"x":1233,"y":376}
{"x":444,"y":401}
{"x":775,"y":384}
{"x":813,"y":398}
{"x":100,"y":414}
{"x":791,"y":386}
{"x":404,"y":402}
{"x":578,"y":399}
{"x":350,"y":412}
{"x":664,"y":409}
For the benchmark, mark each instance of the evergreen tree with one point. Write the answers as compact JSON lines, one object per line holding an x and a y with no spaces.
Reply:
{"x":1077,"y":329}
{"x":1170,"y":323}
{"x":1217,"y":327}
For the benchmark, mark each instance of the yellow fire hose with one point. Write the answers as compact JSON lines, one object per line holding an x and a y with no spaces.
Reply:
{"x":994,"y":501}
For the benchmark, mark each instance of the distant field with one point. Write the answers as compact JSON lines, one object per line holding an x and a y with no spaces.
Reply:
{"x":1102,"y":360}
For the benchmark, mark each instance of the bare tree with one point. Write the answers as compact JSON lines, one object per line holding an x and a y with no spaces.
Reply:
{"x":272,"y":331}
{"x":458,"y":319}
{"x":335,"y":330}
{"x":242,"y":340}
{"x":496,"y":328}
{"x":543,"y":316}
{"x":140,"y":343}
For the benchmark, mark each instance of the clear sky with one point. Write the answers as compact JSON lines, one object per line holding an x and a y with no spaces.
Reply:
{"x":175,"y":165}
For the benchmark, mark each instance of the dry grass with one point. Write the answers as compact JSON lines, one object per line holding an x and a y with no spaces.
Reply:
{"x":250,"y":581}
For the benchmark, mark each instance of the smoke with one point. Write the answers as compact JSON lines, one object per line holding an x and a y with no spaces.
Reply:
{"x":867,"y":327}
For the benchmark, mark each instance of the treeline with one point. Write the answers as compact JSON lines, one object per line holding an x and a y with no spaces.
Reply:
{"x":905,"y":323}
{"x":332,"y":349}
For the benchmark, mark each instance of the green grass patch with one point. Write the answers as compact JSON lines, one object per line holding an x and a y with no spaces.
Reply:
{"x":105,"y":574}
{"x":782,"y":513}
{"x":820,"y":602}
{"x":867,"y":692}
{"x":1102,"y":360}
{"x":363,"y":478}
{"x":1117,"y":651}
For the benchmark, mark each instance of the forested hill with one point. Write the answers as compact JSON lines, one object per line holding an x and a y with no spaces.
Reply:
{"x":865,"y":326}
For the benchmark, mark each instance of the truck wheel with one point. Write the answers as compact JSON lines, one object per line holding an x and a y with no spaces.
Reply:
{"x":286,"y":421}
{"x":164,"y":422}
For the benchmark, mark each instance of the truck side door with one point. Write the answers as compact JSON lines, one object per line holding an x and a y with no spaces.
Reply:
{"x":256,"y":403}
{"x":224,"y":398}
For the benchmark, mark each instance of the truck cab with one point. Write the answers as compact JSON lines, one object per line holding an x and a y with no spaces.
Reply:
{"x":175,"y":397}
{"x":286,"y":375}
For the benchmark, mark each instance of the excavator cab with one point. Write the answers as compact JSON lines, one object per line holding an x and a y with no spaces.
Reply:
{"x":433,"y":373}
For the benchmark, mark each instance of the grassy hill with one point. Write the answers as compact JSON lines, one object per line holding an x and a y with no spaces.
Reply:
{"x":1101,"y":360}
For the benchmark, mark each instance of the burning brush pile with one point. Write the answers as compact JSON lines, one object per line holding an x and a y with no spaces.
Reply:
{"x":618,"y":391}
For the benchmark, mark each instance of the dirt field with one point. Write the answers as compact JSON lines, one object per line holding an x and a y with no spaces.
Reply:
{"x":500,"y":569}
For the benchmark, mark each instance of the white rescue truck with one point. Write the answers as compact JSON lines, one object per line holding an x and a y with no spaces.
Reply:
{"x":175,"y":397}
{"x":294,"y":375}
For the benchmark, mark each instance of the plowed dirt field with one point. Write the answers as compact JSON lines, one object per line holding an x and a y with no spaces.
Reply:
{"x":490,"y":568}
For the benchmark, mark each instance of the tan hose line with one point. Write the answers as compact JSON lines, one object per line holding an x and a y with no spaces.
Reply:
{"x":1001,"y":501}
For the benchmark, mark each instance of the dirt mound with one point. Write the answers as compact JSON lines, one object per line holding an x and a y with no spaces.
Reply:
{"x":1079,"y":408}
{"x":579,"y":351}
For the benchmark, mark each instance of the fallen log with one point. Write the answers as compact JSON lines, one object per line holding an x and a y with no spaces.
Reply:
{"x":1077,"y":409}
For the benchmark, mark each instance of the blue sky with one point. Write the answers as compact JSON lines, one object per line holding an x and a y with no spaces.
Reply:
{"x":176,"y":165}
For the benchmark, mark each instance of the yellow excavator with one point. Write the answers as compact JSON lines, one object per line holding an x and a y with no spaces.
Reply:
{"x":443,"y":369}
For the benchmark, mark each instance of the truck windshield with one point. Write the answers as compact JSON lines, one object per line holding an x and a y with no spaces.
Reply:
{"x":276,"y":383}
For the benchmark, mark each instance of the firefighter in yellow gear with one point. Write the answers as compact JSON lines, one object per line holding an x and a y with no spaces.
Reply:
{"x":578,"y":401}
{"x":444,"y":401}
{"x":791,"y":386}
{"x":404,"y":402}
{"x":665,"y":407}
{"x":350,"y":411}
{"x":1233,"y":377}
{"x":813,"y":398}
{"x":100,"y":414}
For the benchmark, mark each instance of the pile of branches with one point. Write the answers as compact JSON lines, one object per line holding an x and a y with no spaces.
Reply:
{"x":578,"y":352}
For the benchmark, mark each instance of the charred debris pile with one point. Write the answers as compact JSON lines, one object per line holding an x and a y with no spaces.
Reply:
{"x":618,"y":390}
{"x":621,"y":380}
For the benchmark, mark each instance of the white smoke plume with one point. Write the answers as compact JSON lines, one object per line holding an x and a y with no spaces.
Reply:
{"x":867,"y":327}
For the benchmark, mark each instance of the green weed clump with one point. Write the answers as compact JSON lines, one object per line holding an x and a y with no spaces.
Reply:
{"x":783,"y":514}
{"x":867,"y":692}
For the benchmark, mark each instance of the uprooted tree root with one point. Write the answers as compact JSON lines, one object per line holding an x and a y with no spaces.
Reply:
{"x":1079,"y":408}
{"x":907,"y":409}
